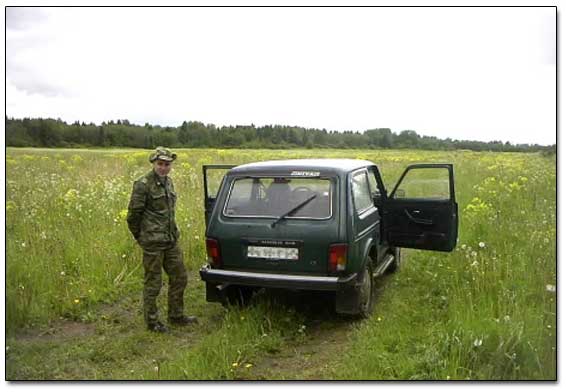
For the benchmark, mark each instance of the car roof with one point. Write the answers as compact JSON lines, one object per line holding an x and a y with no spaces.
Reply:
{"x":287,"y":166}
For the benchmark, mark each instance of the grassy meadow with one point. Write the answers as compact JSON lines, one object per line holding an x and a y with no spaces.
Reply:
{"x":486,"y":311}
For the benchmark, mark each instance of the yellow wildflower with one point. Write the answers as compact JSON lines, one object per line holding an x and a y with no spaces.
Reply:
{"x":123,"y":214}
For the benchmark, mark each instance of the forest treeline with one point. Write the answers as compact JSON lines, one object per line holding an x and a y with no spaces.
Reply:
{"x":39,"y":132}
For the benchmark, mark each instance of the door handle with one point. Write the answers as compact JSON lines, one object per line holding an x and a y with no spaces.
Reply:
{"x":427,"y":222}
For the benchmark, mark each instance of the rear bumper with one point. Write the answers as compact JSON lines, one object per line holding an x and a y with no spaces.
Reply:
{"x":259,"y":279}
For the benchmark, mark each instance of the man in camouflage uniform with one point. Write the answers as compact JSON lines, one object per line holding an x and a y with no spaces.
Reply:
{"x":151,"y":220}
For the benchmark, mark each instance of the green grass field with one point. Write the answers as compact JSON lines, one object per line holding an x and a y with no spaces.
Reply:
{"x":486,"y":311}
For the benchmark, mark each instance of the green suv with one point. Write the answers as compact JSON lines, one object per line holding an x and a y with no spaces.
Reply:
{"x":320,"y":224}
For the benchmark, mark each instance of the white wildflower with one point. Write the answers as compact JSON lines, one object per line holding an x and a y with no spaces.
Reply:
{"x":478,"y":342}
{"x":482,"y":245}
{"x":551,"y":288}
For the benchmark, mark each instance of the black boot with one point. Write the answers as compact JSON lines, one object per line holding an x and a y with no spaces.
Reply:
{"x":183,"y":320}
{"x":157,"y":327}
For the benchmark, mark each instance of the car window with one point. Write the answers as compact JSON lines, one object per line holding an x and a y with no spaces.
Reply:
{"x":360,"y":191}
{"x":425,"y":183}
{"x":274,"y":196}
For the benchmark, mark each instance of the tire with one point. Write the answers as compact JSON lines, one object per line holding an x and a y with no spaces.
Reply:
{"x":366,"y":291}
{"x":237,"y":296}
{"x":396,"y":264}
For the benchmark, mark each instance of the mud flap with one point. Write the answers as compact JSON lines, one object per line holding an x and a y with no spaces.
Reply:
{"x":214,"y":292}
{"x":348,"y":299}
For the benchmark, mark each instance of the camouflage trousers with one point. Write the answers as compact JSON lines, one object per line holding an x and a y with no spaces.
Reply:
{"x":171,"y":260}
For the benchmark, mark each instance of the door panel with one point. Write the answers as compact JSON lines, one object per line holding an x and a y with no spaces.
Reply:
{"x":213,"y":176}
{"x":421,"y":212}
{"x":423,"y":224}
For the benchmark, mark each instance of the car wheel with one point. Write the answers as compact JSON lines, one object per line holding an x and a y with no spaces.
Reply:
{"x":365,"y":291}
{"x":394,"y":266}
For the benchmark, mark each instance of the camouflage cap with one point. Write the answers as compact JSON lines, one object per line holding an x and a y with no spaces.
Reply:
{"x":163,"y":154}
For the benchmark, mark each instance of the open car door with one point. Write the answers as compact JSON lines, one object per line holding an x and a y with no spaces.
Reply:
{"x":421,"y":211}
{"x":213,"y":176}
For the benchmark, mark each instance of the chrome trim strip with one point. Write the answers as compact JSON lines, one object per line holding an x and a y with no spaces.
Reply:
{"x":264,"y":276}
{"x":301,"y":282}
{"x":366,"y":230}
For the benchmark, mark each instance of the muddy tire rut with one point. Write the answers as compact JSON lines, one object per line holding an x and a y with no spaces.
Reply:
{"x":316,"y":349}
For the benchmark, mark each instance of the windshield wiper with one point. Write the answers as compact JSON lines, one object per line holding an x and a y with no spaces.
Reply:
{"x":294,"y":209}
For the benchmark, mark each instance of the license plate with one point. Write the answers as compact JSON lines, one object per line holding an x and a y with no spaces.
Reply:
{"x":273,"y":252}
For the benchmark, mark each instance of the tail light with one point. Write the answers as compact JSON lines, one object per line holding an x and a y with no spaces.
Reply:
{"x":337,"y":257}
{"x":213,"y":252}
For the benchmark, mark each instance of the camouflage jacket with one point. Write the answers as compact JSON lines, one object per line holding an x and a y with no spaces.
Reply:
{"x":151,"y":212}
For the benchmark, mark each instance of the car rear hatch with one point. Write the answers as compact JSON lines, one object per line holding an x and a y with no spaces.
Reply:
{"x":278,"y":224}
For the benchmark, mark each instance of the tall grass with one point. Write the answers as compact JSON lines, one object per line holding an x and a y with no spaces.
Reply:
{"x":485,"y":311}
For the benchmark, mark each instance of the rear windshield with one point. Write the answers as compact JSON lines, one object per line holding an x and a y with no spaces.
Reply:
{"x":274,"y":196}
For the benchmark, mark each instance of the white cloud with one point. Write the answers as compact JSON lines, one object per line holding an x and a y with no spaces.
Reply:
{"x":465,"y":73}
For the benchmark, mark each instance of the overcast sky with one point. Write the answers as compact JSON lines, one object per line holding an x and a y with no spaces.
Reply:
{"x":465,"y":73}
